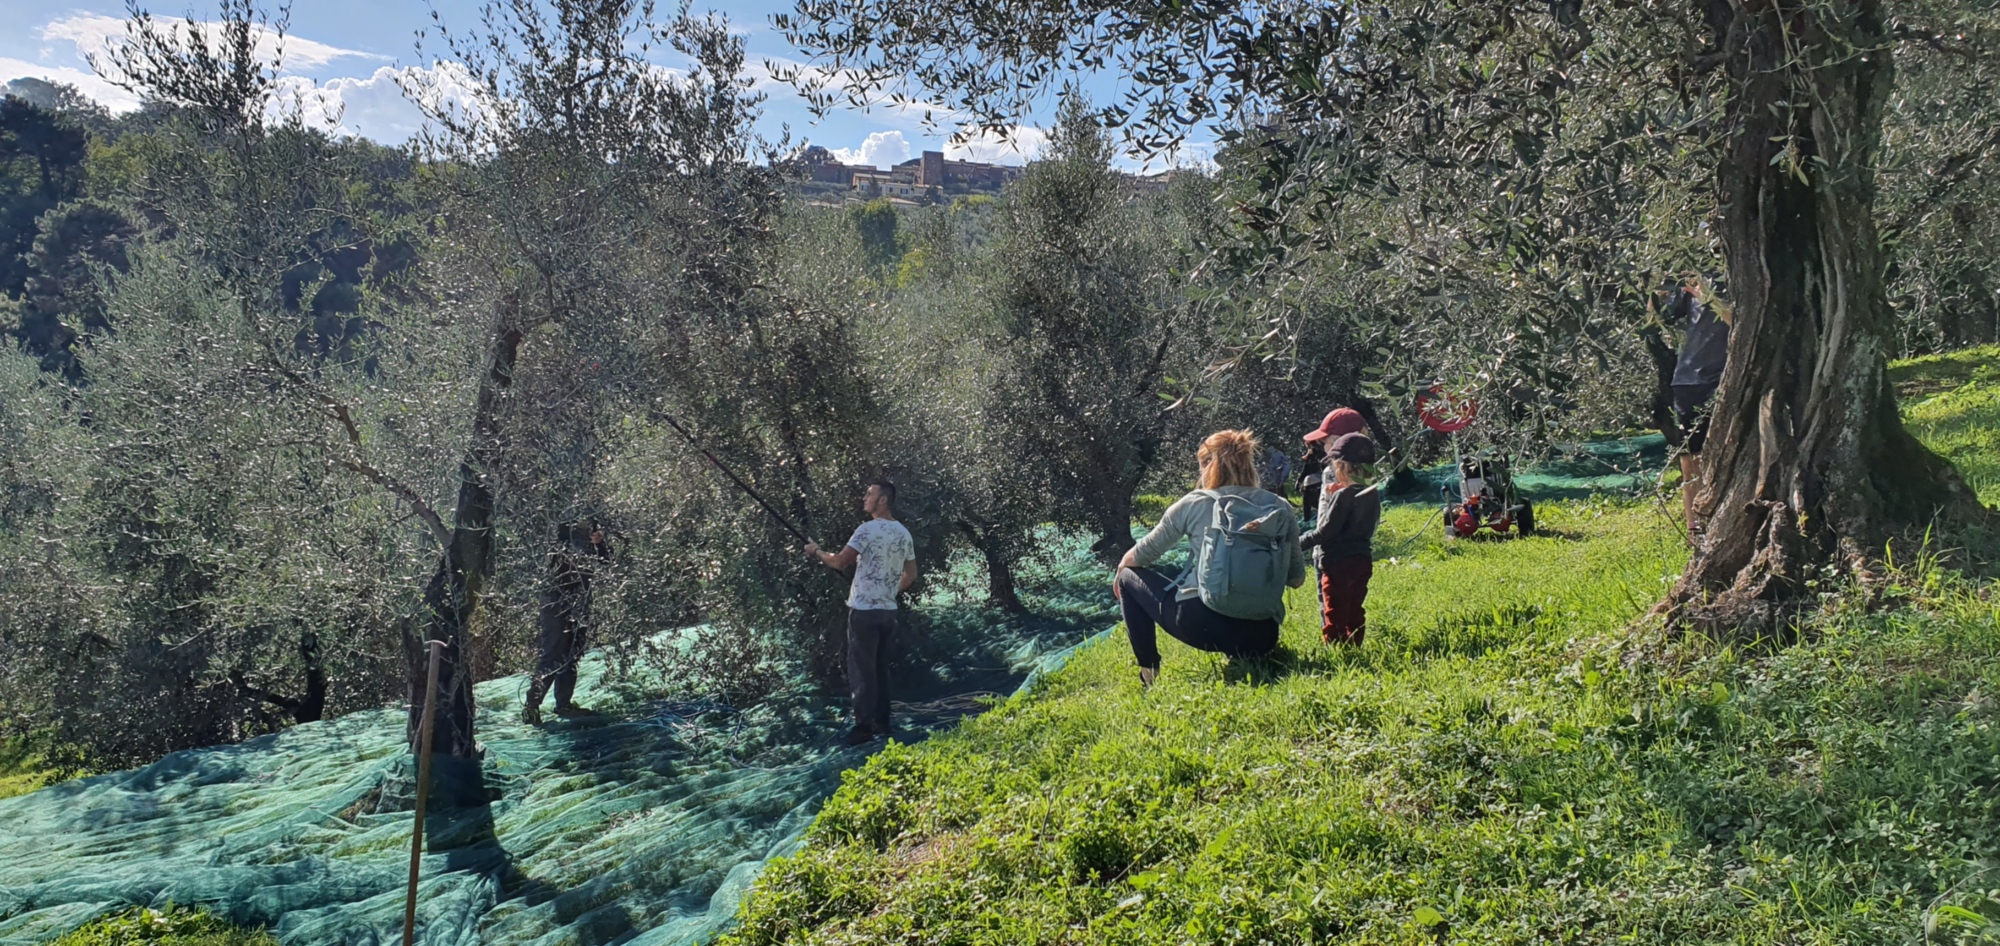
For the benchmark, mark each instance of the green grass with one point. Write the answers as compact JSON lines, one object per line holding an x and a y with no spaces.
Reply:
{"x":1952,"y":404}
{"x":24,"y":767}
{"x":1916,"y":377}
{"x":1513,"y":757}
{"x":171,"y":927}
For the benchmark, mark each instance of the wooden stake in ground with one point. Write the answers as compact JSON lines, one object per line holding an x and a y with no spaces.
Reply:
{"x":423,"y":791}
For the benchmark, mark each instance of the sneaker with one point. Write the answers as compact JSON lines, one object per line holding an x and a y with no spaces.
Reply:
{"x":857,"y":736}
{"x":1147,"y":675}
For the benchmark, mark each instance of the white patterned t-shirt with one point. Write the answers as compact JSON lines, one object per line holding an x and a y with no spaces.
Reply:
{"x":882,"y":547}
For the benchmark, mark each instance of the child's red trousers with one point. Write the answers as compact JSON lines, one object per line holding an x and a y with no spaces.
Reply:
{"x":1343,"y":587}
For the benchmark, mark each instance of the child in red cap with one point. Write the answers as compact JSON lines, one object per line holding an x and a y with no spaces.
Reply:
{"x":1343,"y":539}
{"x":1339,"y":422}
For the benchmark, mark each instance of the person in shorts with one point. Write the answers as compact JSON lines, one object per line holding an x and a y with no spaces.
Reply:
{"x":1705,"y":320}
{"x":884,"y":559}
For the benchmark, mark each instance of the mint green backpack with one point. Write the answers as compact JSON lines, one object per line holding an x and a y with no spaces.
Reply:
{"x":1241,"y":572}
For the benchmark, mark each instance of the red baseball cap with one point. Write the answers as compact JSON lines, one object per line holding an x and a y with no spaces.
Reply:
{"x":1343,"y":421}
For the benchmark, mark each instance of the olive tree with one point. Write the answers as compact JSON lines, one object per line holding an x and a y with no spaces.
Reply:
{"x":244,"y":184}
{"x":1808,"y":464}
{"x":1089,"y":327}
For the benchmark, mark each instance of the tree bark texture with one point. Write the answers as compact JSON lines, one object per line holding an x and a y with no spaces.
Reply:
{"x":1000,"y":589}
{"x":452,"y":597}
{"x":1807,"y":469}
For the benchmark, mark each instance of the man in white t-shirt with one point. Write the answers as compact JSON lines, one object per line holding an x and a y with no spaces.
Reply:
{"x":884,"y":559}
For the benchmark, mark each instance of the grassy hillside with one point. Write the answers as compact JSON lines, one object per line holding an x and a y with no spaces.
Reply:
{"x":1503,"y":762}
{"x":1952,"y":403}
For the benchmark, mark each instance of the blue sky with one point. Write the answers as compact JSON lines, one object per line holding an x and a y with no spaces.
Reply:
{"x":349,"y":51}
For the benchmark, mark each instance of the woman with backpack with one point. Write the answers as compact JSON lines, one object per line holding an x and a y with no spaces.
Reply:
{"x":1244,"y":545}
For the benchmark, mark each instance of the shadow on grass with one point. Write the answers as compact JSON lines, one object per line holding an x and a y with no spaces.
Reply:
{"x":1262,"y":670}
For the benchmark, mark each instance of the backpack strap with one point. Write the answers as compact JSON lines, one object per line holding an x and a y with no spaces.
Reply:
{"x":1218,"y":517}
{"x":1186,"y":579}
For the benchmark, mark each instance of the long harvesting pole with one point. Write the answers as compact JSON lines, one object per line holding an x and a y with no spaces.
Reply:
{"x":726,"y":471}
{"x":427,"y":727}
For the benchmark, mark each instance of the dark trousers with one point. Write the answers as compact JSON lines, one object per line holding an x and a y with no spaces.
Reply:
{"x":1343,"y":588}
{"x":564,"y":638}
{"x":870,"y":633}
{"x":1147,"y":598}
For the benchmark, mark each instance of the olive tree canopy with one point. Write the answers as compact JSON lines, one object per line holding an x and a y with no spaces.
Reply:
{"x":1808,"y":464}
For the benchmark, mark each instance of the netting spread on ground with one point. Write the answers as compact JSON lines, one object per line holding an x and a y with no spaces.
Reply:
{"x":1629,"y":465}
{"x":643,"y":825}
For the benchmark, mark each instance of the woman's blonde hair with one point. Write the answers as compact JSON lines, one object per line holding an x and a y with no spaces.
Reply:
{"x":1228,"y":458}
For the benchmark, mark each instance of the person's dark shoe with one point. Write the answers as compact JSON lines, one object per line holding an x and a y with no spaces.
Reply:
{"x":857,"y":736}
{"x":573,"y":711}
{"x":1147,"y":675}
{"x":532,"y":715}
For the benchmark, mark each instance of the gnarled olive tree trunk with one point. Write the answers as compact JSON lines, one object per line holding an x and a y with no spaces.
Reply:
{"x":452,"y":597}
{"x":1807,"y":464}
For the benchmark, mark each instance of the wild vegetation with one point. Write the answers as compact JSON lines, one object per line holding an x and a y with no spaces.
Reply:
{"x":170,"y":927}
{"x":1505,"y":761}
{"x":277,"y":408}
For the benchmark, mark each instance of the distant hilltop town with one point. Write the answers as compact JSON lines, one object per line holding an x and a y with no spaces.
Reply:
{"x":929,"y":178}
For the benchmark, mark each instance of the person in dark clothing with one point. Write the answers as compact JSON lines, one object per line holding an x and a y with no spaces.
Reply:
{"x":1274,"y":474}
{"x":564,"y":623}
{"x":1342,"y":541}
{"x":1151,"y":601}
{"x":1706,"y":319}
{"x":1312,"y":474}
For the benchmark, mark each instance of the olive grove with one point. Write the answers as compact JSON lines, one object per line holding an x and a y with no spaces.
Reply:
{"x":279,"y":408}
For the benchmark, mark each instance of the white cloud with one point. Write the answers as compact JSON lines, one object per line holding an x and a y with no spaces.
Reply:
{"x":883,"y":148}
{"x":1018,"y":145}
{"x":104,"y":93}
{"x":94,"y":34}
{"x":375,"y":107}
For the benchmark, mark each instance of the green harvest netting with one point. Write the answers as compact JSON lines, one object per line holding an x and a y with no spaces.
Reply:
{"x":643,"y":826}
{"x":1629,"y":465}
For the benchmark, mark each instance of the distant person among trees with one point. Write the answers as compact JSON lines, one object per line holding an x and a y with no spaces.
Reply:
{"x":1274,"y":474}
{"x":1243,"y":544}
{"x":565,"y":619}
{"x":1342,"y":541}
{"x":1705,"y":318}
{"x":884,"y":559}
{"x":1311,"y":465}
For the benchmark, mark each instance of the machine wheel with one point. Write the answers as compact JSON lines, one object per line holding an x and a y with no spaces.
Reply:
{"x":1525,"y":520}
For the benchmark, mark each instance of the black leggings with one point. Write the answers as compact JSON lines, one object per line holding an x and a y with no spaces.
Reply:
{"x":1148,"y":602}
